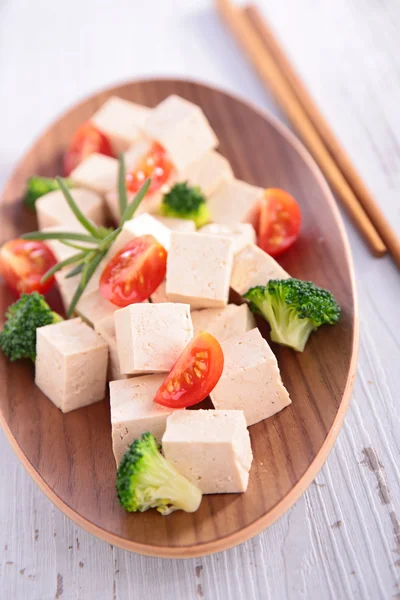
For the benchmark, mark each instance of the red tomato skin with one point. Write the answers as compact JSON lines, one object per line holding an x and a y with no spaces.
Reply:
{"x":156,"y":165}
{"x":86,"y":140}
{"x":279,"y":221}
{"x":135,"y":272}
{"x":23,"y":264}
{"x":195,"y":381}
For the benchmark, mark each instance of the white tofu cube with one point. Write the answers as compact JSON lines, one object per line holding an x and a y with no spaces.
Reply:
{"x":61,"y":251}
{"x":52,"y":209}
{"x":71,"y":364}
{"x":184,"y":225}
{"x":151,"y":337}
{"x":223,"y":323}
{"x":145,"y":224}
{"x":121,"y":121}
{"x":251,"y":380}
{"x":106,"y":328}
{"x":235,"y":202}
{"x":120,"y":242}
{"x":198,"y":269}
{"x":134,"y":412}
{"x":208,"y":173}
{"x":241,"y":234}
{"x":93,"y":307}
{"x":182,"y":129}
{"x":97,"y":172}
{"x":252,"y":266}
{"x":160,"y":295}
{"x":211,"y":448}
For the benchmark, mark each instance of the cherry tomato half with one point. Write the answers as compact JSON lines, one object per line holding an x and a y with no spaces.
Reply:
{"x":135,"y":272}
{"x":23,"y":264}
{"x":154,"y":164}
{"x":86,"y":140}
{"x":280,"y":221}
{"x":195,"y":373}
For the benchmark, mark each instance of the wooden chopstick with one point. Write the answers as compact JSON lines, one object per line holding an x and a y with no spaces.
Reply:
{"x":342,"y":159}
{"x":270,"y":73}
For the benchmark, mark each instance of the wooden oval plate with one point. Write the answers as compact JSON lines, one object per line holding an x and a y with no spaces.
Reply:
{"x":70,"y":457}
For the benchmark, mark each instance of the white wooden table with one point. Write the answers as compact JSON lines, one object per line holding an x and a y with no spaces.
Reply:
{"x":342,"y":538}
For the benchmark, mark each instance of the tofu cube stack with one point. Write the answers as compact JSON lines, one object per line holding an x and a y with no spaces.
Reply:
{"x":135,"y":347}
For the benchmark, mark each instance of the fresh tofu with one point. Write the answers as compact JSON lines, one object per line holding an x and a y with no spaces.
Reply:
{"x":235,"y":202}
{"x":184,"y":225}
{"x":241,"y":234}
{"x":97,"y":172}
{"x":145,"y":224}
{"x":94,"y":307}
{"x":134,"y":412}
{"x":71,"y":364}
{"x":121,"y":121}
{"x":53,"y":210}
{"x":208,"y":173}
{"x":182,"y":129}
{"x":106,"y":328}
{"x":61,"y":251}
{"x":151,"y":337}
{"x":251,"y":380}
{"x":198,"y":269}
{"x":160,"y":295}
{"x":211,"y":448}
{"x":223,"y":323}
{"x":252,"y":266}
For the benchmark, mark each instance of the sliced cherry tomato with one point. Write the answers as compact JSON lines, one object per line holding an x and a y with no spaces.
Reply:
{"x":154,"y":164}
{"x":280,"y":221}
{"x":135,"y":272}
{"x":195,"y":373}
{"x":23,"y":264}
{"x":86,"y":140}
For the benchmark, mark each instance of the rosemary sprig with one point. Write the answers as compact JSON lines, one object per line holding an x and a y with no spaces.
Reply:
{"x":122,"y":194}
{"x":88,"y":225}
{"x":61,"y":236}
{"x":76,"y":258}
{"x":88,"y":258}
{"x":75,"y":271}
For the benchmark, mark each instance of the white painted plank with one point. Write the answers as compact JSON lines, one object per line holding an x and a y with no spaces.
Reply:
{"x":340,"y":540}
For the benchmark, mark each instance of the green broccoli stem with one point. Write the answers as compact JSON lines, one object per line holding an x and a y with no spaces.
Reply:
{"x":295,"y":334}
{"x":56,"y":317}
{"x":286,"y":328}
{"x":200,"y":217}
{"x":176,"y":491}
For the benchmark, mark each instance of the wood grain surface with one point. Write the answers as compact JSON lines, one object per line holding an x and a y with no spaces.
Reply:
{"x":70,"y":456}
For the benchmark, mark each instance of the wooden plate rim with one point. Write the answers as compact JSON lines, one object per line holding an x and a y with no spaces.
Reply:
{"x":309,"y":475}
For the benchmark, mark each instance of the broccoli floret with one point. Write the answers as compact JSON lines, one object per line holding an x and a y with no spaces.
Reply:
{"x":39,"y":186}
{"x":145,"y":479}
{"x":186,"y":202}
{"x":18,"y":338}
{"x":294,"y":309}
